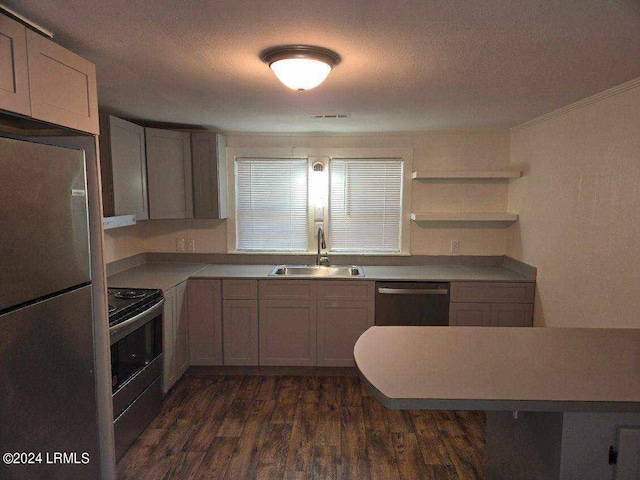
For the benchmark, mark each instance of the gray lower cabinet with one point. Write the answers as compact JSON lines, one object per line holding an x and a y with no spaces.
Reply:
{"x":205,"y":322}
{"x":168,"y":340}
{"x":123,"y":165}
{"x":470,"y":314}
{"x":287,"y":332}
{"x":495,"y":304}
{"x":511,"y":315}
{"x":182,"y":329}
{"x":240,"y":327}
{"x":169,"y":174}
{"x":175,"y":344}
{"x":14,"y":76}
{"x":240,"y":321}
{"x":62,"y":85}
{"x":340,"y":324}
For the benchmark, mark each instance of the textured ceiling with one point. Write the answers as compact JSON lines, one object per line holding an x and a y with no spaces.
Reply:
{"x":406,"y":64}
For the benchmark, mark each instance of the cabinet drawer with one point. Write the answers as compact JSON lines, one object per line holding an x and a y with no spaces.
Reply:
{"x":346,"y":290}
{"x":492,"y":292}
{"x":288,"y":289}
{"x":239,"y":289}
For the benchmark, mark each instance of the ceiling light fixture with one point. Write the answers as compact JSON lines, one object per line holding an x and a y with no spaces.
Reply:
{"x":300,"y":67}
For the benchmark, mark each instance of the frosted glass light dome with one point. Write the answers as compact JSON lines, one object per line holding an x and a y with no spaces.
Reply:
{"x":301,"y":73}
{"x":300,"y":67}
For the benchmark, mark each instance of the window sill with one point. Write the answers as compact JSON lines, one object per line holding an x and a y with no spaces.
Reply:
{"x":331,"y":254}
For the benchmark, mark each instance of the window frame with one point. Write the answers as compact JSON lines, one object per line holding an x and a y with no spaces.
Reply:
{"x":327,"y":208}
{"x":321,"y":153}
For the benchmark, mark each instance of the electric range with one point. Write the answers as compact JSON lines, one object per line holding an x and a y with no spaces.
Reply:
{"x":135,"y":328}
{"x":125,"y":303}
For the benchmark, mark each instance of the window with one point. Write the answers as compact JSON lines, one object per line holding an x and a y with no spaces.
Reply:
{"x":272,"y":205}
{"x":361,"y":199}
{"x":365,"y":205}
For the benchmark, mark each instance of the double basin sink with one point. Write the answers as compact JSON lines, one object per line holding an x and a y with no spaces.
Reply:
{"x":317,"y":271}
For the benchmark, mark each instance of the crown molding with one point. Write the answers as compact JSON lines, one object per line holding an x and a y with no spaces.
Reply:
{"x":623,"y":87}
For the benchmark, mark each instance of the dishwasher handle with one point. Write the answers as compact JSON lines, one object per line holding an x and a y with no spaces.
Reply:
{"x":413,"y":291}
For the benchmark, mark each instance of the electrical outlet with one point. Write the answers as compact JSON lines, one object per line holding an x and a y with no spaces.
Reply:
{"x":191,"y":245}
{"x":180,"y":245}
{"x":455,"y":246}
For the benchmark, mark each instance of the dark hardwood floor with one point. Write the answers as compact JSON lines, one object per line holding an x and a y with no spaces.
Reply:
{"x":297,"y":427}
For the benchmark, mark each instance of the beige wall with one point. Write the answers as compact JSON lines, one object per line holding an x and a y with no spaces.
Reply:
{"x":433,"y":150}
{"x":579,"y":206}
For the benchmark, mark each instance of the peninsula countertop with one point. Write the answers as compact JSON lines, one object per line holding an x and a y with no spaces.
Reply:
{"x":169,"y":274}
{"x":528,"y":369}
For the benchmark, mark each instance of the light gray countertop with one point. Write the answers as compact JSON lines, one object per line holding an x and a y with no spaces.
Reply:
{"x":154,"y":275}
{"x":168,"y":275}
{"x":484,"y":368}
{"x":234,"y":271}
{"x":444,"y":273}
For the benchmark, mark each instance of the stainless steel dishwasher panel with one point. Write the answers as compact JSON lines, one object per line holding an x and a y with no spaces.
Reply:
{"x":412,"y":303}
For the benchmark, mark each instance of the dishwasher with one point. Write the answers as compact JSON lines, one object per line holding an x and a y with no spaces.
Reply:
{"x":412,"y":303}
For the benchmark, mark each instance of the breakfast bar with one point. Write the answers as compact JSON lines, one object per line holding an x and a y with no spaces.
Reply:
{"x":562,"y":403}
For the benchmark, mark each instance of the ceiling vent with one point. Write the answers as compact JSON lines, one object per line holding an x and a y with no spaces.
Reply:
{"x":330,"y":115}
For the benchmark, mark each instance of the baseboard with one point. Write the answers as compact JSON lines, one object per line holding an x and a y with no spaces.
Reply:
{"x":272,"y":371}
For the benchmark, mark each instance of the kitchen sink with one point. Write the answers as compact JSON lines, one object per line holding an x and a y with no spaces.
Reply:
{"x":317,"y":271}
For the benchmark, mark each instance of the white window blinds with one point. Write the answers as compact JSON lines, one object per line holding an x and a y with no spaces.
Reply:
{"x":272,"y":204}
{"x":365,"y":206}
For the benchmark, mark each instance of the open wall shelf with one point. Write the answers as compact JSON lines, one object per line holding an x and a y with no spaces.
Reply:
{"x":464,"y":217}
{"x":479,"y":174}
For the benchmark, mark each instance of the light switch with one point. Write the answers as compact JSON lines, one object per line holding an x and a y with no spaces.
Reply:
{"x":455,"y":246}
{"x":191,"y":245}
{"x":180,"y":245}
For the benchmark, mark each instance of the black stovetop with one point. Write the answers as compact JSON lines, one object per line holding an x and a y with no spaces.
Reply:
{"x":125,"y":303}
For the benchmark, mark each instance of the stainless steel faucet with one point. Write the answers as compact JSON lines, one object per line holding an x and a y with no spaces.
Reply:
{"x":322,"y":259}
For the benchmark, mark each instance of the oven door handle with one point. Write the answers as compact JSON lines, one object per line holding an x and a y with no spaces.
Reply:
{"x":413,"y":291}
{"x":147,"y":313}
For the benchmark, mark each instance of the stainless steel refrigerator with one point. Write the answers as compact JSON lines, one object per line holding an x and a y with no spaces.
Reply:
{"x":48,"y":418}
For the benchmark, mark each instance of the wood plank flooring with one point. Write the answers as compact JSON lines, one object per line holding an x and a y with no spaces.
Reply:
{"x":297,"y":427}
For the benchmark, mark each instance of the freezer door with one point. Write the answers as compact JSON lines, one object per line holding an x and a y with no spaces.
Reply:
{"x":44,"y":239}
{"x":48,"y":400}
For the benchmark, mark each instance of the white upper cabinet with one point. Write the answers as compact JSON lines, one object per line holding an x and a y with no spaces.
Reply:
{"x":14,"y":77}
{"x":209,"y":175}
{"x":123,"y":167}
{"x":169,"y":174}
{"x":62,"y":85}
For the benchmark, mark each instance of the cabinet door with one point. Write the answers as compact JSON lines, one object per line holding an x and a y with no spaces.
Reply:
{"x":169,"y":174}
{"x":470,"y":314}
{"x":288,"y":332}
{"x":340,"y":324}
{"x":209,"y":175}
{"x":62,"y":85}
{"x":511,"y":315}
{"x":14,"y":77}
{"x":123,"y":163}
{"x":169,"y":340}
{"x":204,"y":299}
{"x":240,"y":327}
{"x":181,"y":330}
